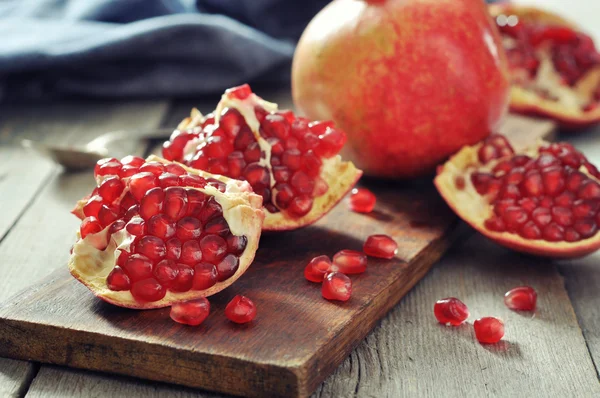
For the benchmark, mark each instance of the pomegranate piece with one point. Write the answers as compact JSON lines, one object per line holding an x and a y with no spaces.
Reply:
{"x":362,"y":200}
{"x":381,"y":246}
{"x":450,"y":311}
{"x":240,"y":310}
{"x":288,"y":160}
{"x":350,"y":262}
{"x":317,"y":268}
{"x":336,"y":286}
{"x":192,"y":312}
{"x":549,"y":58}
{"x":524,"y":201}
{"x":177,"y":237}
{"x":489,"y":330}
{"x":522,"y":298}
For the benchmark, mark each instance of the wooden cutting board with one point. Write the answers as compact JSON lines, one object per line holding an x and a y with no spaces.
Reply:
{"x":297,"y":339}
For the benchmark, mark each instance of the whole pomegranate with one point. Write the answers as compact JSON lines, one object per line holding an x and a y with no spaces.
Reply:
{"x":410,"y":81}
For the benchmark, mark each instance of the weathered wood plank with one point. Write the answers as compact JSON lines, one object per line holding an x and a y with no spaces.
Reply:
{"x":36,"y":229}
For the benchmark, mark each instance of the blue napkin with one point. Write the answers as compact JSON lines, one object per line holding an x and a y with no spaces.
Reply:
{"x":145,"y":48}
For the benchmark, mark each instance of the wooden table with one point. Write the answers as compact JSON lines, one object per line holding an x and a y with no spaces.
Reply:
{"x":550,"y":353}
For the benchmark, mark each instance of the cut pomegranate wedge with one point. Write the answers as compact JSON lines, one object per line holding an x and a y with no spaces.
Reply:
{"x":291,"y":162}
{"x":555,"y":68}
{"x":155,"y":233}
{"x":543,"y":201}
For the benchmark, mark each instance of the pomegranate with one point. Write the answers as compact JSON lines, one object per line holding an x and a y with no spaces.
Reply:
{"x":362,"y":200}
{"x":291,"y":162}
{"x":450,"y":311}
{"x":240,"y":310}
{"x":522,"y":298}
{"x":350,"y":262}
{"x":488,"y":330}
{"x":410,"y":81}
{"x":554,"y":66}
{"x":154,"y":233}
{"x":544,"y":200}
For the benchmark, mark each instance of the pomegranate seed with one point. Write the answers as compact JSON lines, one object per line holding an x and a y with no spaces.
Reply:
{"x":195,"y":203}
{"x":128,"y":171}
{"x":138,"y":267}
{"x":136,"y":226}
{"x":488,"y":330}
{"x":589,"y":190}
{"x":302,"y":183}
{"x":236,"y":244}
{"x":193,"y":181}
{"x":240,"y":92}
{"x":336,"y":286}
{"x":184,"y":280}
{"x":121,"y":258}
{"x":317,"y":268}
{"x":116,"y":226}
{"x":118,"y":280}
{"x":380,"y":246}
{"x":210,"y":210}
{"x":151,"y":203}
{"x":134,"y":161}
{"x":175,"y":203}
{"x":107,"y":166}
{"x":190,"y":252}
{"x":565,"y":199}
{"x":227,"y":267}
{"x":300,"y":205}
{"x":141,"y":183}
{"x":161,"y":227}
{"x":311,"y":164}
{"x":166,"y":272}
{"x":151,"y":247}
{"x":148,"y":290}
{"x":168,"y":180}
{"x":495,"y":224}
{"x":541,"y":216}
{"x":562,"y":216}
{"x":213,"y":248}
{"x":531,"y":231}
{"x":93,"y":205}
{"x":292,"y":159}
{"x":175,"y":169}
{"x":585,"y":228}
{"x":192,"y":312}
{"x":533,"y":185}
{"x":111,"y":189}
{"x":173,"y":249}
{"x":188,"y":228}
{"x":217,"y":226}
{"x":107,"y":215}
{"x":276,"y":125}
{"x":521,"y":298}
{"x":553,"y":232}
{"x":155,"y":168}
{"x":89,"y":225}
{"x":240,"y":310}
{"x":205,"y":276}
{"x":553,"y":179}
{"x":350,"y":262}
{"x":362,"y":200}
{"x":450,"y":311}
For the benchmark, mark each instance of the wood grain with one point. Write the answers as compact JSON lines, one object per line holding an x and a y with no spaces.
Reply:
{"x":36,"y":229}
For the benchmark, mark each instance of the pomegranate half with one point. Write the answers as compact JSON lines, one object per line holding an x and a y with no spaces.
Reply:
{"x":154,"y":233}
{"x":555,"y":67}
{"x":291,"y":162}
{"x":543,"y":201}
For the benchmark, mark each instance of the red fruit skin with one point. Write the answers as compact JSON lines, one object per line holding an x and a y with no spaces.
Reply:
{"x":522,"y":298}
{"x":393,"y":117}
{"x":450,"y":311}
{"x":488,"y":330}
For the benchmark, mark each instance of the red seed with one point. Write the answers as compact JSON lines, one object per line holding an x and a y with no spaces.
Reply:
{"x":141,"y":183}
{"x":488,"y":330}
{"x":553,"y":232}
{"x":190,"y":253}
{"x":300,"y":205}
{"x":236,"y":244}
{"x":336,"y":286}
{"x":168,"y":180}
{"x":138,"y":267}
{"x":155,"y":168}
{"x":192,"y":312}
{"x":585,"y":227}
{"x":184,"y":280}
{"x":217,"y":226}
{"x":495,"y":224}
{"x":213,"y":248}
{"x":450,"y":311}
{"x":227,"y":267}
{"x":111,"y":189}
{"x":589,"y":190}
{"x":541,"y":216}
{"x":210,"y":210}
{"x":193,"y":181}
{"x":240,"y":310}
{"x":151,"y":203}
{"x":107,"y":215}
{"x":173,"y":249}
{"x":330,"y":143}
{"x":531,"y":231}
{"x":522,"y":298}
{"x":188,"y":228}
{"x":93,"y":205}
{"x":381,"y":246}
{"x":554,"y":181}
{"x":240,"y":92}
{"x":165,"y":272}
{"x":148,"y":290}
{"x":195,"y":202}
{"x":350,"y":262}
{"x":134,"y":161}
{"x":361,"y":200}
{"x":116,"y":226}
{"x":107,"y":166}
{"x":136,"y":226}
{"x":160,"y":226}
{"x":205,"y":276}
{"x":118,"y":280}
{"x":90,"y":225}
{"x":317,"y":268}
{"x":151,"y":247}
{"x":562,"y":216}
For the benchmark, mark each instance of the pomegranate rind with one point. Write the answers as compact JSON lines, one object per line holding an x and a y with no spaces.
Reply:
{"x":528,"y":102}
{"x":242,"y":209}
{"x":474,"y":208}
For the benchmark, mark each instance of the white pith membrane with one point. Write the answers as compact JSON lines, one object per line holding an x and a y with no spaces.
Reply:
{"x":339,"y":175}
{"x":546,"y":94}
{"x":91,"y":263}
{"x":475,"y":209}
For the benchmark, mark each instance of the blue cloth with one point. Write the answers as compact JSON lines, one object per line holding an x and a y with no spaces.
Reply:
{"x":145,"y":48}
